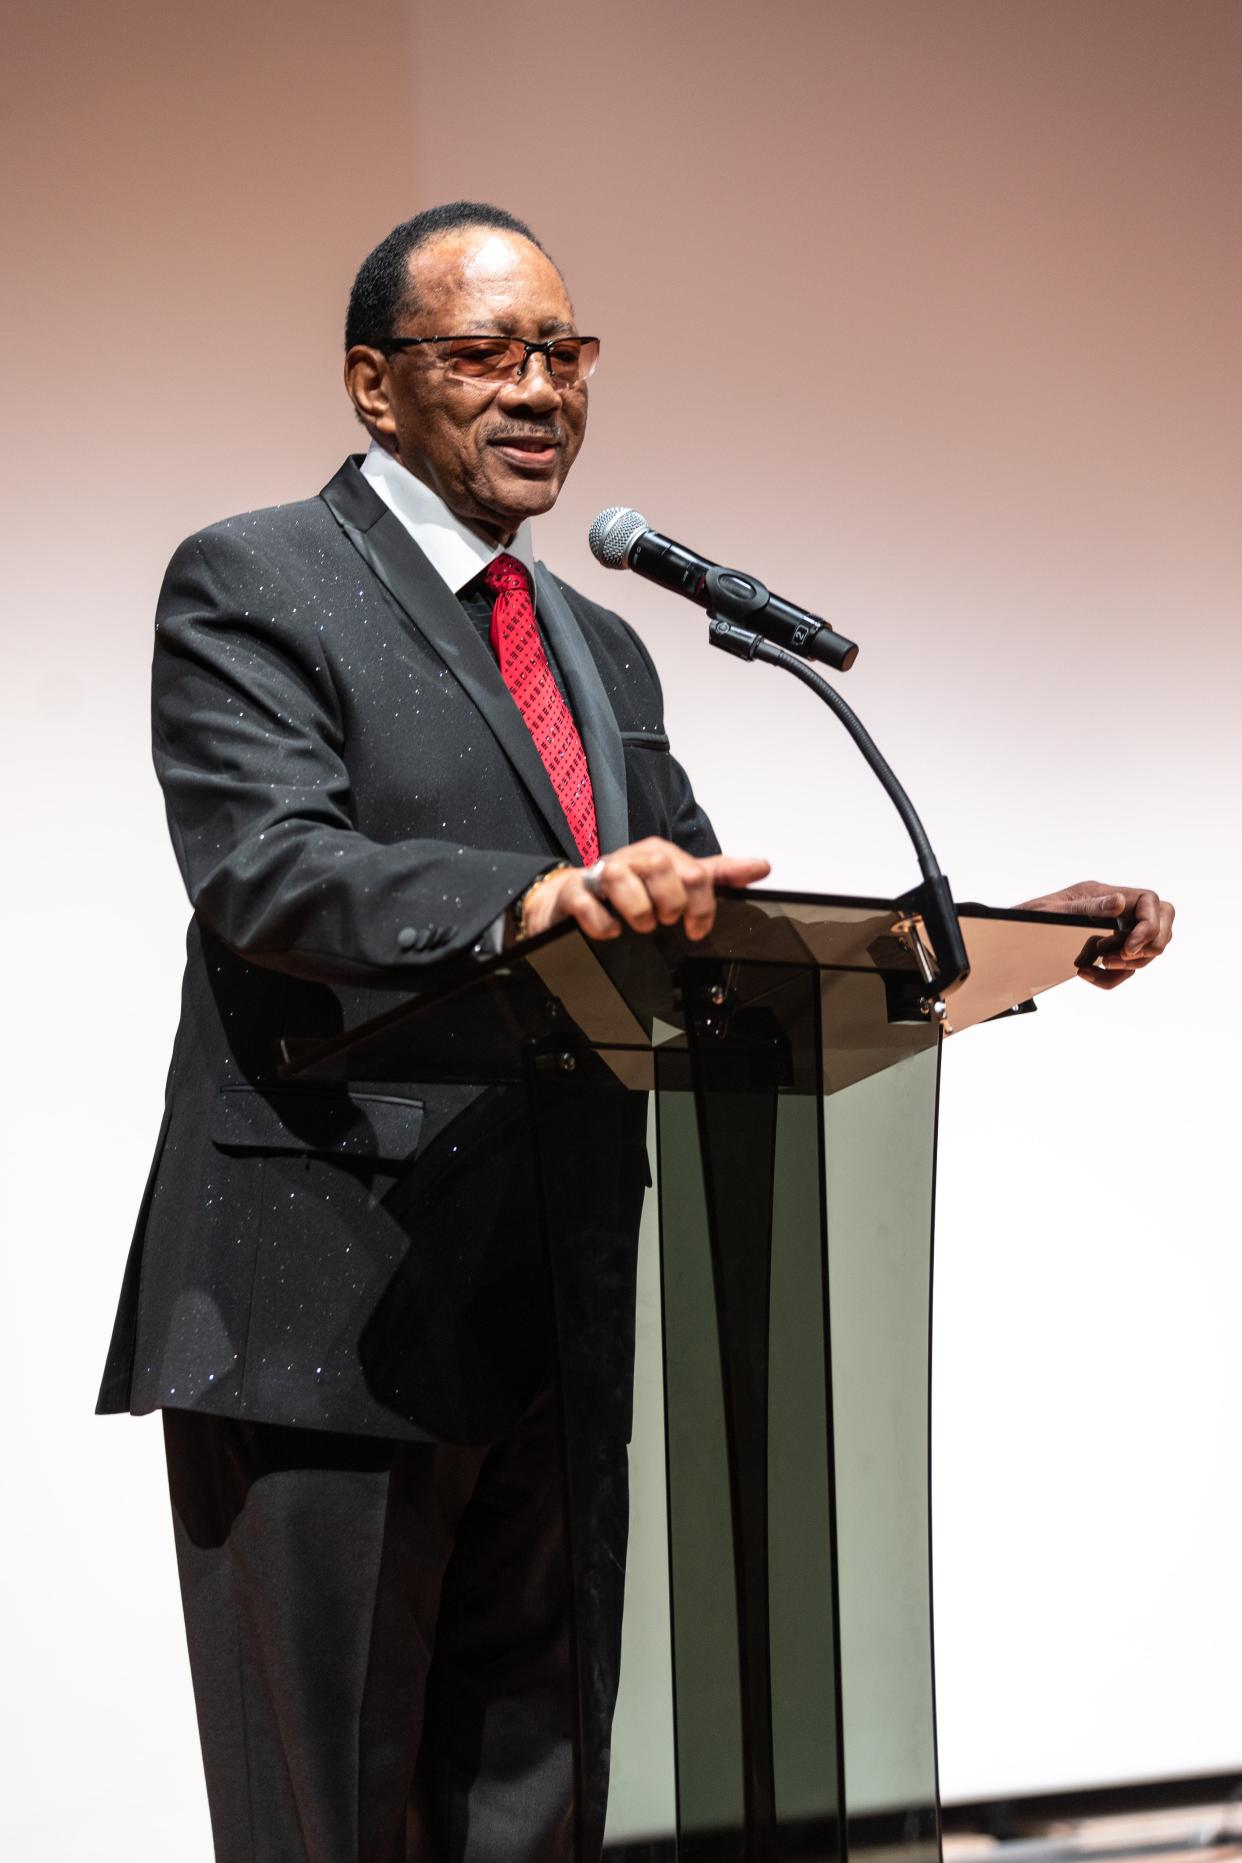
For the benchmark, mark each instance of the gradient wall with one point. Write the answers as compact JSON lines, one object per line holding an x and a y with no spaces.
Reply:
{"x":927,"y":313}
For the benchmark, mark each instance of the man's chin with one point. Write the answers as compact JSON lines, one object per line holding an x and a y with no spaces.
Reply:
{"x":517,"y":495}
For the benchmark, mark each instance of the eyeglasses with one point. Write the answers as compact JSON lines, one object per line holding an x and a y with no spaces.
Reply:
{"x":568,"y":359}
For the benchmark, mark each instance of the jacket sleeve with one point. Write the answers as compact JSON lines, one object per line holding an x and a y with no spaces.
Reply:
{"x":691,"y":827}
{"x":248,"y":743}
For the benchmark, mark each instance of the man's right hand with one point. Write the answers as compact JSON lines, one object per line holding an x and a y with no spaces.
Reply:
{"x":647,"y":884}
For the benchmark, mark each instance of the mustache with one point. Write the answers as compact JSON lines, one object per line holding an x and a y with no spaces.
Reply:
{"x":543,"y":436}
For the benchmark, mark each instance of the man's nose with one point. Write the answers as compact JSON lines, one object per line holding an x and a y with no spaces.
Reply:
{"x":534,"y":388}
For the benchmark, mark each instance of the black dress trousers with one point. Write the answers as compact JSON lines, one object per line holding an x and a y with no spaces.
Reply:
{"x":381,"y":1644}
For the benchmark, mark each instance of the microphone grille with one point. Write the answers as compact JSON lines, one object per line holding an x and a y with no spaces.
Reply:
{"x":614,"y":533}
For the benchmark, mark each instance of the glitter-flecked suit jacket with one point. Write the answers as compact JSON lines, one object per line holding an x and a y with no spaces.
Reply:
{"x":354,"y":799}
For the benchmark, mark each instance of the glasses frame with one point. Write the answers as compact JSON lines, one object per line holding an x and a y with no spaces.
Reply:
{"x":543,"y":349}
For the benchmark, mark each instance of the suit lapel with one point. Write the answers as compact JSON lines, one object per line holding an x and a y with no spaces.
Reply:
{"x":385,"y":545}
{"x":595,"y":718}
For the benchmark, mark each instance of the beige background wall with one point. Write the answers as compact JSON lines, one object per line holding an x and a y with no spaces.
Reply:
{"x":926,"y":310}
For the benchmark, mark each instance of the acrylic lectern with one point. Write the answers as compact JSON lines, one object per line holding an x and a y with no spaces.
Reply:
{"x":791,"y":1064}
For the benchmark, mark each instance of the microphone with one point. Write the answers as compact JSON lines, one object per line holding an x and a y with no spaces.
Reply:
{"x":621,"y":538}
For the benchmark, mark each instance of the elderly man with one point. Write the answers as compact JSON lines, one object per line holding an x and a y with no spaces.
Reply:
{"x":387,"y":737}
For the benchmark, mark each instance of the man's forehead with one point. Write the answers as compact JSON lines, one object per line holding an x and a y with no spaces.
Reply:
{"x":485,"y":261}
{"x":498,"y":255}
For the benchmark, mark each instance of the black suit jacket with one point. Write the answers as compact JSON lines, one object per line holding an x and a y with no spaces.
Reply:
{"x":353,"y":798}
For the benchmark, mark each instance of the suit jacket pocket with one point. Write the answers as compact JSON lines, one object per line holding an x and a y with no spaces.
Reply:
{"x":367,"y":1128}
{"x":647,"y":740}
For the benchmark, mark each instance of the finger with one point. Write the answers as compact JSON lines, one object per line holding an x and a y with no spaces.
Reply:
{"x":735,"y":869}
{"x":627,"y":894}
{"x":667,"y":890}
{"x":1088,"y":897}
{"x":1105,"y":979}
{"x":589,"y":913}
{"x":698,"y":913}
{"x":713,"y":871}
{"x":1146,"y":923}
{"x":1167,"y":915}
{"x":1104,"y":905}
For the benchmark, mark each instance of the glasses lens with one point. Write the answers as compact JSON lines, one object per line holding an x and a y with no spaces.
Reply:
{"x":482,"y":357}
{"x":573,"y":359}
{"x":565,"y":360}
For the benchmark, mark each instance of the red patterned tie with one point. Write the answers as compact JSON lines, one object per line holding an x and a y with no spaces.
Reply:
{"x":525,"y":670}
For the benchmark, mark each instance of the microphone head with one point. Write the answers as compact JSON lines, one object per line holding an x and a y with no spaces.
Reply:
{"x":614,"y":534}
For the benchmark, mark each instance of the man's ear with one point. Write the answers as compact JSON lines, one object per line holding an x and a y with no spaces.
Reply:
{"x":368,"y":386}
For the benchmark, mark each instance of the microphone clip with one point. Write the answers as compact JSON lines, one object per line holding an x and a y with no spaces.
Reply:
{"x":742,"y":642}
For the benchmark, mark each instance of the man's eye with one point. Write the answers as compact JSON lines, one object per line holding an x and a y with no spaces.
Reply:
{"x":478,"y":357}
{"x":565,"y":355}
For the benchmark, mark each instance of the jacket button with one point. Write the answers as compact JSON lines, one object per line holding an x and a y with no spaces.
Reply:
{"x":407,"y":937}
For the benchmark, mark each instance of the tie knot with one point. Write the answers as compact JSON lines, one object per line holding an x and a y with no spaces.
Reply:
{"x":506,"y":573}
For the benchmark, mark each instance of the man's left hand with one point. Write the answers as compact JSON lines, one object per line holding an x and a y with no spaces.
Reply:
{"x":1106,"y":962}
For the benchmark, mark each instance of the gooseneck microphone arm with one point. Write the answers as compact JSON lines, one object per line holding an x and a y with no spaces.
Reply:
{"x":933,"y":900}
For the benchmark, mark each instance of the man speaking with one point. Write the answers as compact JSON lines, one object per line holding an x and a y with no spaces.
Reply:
{"x":387,"y":738}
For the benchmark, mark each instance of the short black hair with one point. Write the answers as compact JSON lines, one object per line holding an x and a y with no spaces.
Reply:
{"x":381,"y":290}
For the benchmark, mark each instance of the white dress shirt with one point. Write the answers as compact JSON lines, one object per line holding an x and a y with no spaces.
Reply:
{"x":454,"y":551}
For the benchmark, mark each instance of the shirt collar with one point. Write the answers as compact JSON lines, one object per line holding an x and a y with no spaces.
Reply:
{"x":455,"y":552}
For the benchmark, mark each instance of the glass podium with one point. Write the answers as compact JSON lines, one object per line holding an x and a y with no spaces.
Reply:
{"x":776,"y":1085}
